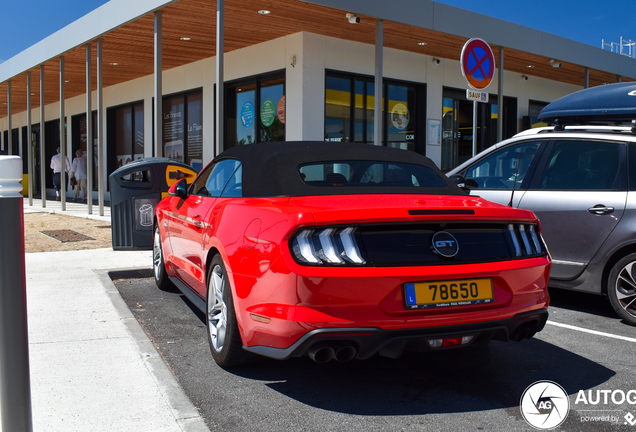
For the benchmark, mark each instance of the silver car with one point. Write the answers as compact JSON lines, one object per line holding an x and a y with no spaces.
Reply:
{"x":581,"y":183}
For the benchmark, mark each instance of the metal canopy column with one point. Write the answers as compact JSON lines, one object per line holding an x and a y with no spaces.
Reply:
{"x":377,"y":113}
{"x":501,"y":96}
{"x":101,"y":160}
{"x":89,"y":130}
{"x":220,"y":89}
{"x":158,"y":87}
{"x":42,"y":153}
{"x":29,"y":144}
{"x":587,"y":77}
{"x":62,"y":136}
{"x":9,"y":126}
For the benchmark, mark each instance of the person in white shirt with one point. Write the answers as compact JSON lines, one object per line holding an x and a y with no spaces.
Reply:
{"x":78,"y":170}
{"x":56,"y":165}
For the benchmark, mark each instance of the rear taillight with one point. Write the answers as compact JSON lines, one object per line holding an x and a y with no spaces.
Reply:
{"x":326,"y":246}
{"x":526,"y":240}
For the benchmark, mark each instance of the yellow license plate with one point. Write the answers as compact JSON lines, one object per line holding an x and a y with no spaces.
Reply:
{"x":448,"y":293}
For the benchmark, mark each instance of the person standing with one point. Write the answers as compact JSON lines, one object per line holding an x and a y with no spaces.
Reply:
{"x":78,"y":170}
{"x":56,"y":165}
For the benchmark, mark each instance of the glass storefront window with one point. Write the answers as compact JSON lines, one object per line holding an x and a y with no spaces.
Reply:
{"x":125,"y":126}
{"x":534,"y":109}
{"x":173,"y":127}
{"x":245,"y":114}
{"x":183,"y":128}
{"x":350,"y":109}
{"x":194,"y":138}
{"x":337,"y":109}
{"x":138,"y":152}
{"x":401,"y":127}
{"x":457,"y":125}
{"x":449,"y":111}
{"x":123,"y":140}
{"x":272,"y":111}
{"x":255,"y":110}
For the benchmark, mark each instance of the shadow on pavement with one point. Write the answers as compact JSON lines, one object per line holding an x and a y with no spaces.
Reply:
{"x":454,"y":381}
{"x":582,"y":302}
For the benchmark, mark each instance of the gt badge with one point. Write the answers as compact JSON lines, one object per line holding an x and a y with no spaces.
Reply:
{"x":445,"y":244}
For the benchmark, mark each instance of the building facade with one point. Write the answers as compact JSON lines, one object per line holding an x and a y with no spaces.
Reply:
{"x":284,"y":79}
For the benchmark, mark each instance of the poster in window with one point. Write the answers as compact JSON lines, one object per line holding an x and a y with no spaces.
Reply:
{"x":268,"y":113}
{"x":194,"y":140}
{"x":173,"y":127}
{"x":281,"y":109}
{"x":400,"y":116}
{"x":247,"y":114}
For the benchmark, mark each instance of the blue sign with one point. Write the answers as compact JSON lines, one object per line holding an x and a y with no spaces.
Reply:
{"x":247,"y":114}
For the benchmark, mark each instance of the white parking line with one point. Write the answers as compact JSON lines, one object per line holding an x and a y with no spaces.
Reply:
{"x":571,"y":327}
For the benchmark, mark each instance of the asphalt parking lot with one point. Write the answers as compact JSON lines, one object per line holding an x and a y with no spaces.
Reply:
{"x":584,"y":347}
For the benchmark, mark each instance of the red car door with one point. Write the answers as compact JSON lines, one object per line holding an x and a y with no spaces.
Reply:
{"x":193,"y":218}
{"x":187,"y":231}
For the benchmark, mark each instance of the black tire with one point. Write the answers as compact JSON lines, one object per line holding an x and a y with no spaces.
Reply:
{"x":621,"y":288}
{"x":223,"y":332}
{"x":158,"y":265}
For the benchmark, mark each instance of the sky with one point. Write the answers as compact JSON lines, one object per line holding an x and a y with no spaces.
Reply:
{"x":26,"y":22}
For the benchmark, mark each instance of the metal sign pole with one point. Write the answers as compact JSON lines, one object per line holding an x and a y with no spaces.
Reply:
{"x":15,"y":383}
{"x":474,"y":128}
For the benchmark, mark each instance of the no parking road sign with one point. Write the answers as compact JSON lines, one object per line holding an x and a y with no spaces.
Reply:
{"x":477,"y":63}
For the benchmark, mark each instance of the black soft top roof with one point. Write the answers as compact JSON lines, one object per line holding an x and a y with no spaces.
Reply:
{"x":271,"y":169}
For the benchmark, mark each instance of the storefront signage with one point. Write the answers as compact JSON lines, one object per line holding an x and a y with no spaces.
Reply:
{"x":247,"y":114}
{"x":268,"y":113}
{"x":477,"y":63}
{"x":476,"y":95}
{"x":400,"y":116}
{"x":281,"y":110}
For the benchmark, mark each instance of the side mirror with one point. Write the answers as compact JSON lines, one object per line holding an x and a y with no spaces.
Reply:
{"x":463,"y":184}
{"x":179,"y":189}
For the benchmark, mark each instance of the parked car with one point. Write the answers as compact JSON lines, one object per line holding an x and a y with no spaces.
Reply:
{"x":340,"y":250}
{"x":580,"y":180}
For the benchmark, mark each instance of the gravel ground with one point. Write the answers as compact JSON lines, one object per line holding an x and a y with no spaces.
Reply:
{"x":63,"y":233}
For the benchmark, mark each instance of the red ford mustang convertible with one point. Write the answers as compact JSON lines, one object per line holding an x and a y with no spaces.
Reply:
{"x":339,"y":250}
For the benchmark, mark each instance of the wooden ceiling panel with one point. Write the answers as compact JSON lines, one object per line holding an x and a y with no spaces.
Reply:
{"x":132,"y":45}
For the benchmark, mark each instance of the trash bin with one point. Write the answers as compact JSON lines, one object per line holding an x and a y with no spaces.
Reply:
{"x":135,"y":190}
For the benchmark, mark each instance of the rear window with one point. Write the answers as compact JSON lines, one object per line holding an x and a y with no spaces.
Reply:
{"x":372,"y":174}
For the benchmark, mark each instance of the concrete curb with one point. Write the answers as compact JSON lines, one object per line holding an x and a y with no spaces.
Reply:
{"x":185,"y":413}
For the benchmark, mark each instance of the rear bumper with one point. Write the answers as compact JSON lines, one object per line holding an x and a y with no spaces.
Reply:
{"x":391,"y":343}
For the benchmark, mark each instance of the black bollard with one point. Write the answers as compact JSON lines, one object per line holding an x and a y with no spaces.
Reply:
{"x":15,"y":383}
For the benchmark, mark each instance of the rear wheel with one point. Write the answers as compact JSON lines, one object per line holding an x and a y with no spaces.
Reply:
{"x":621,"y":288}
{"x":223,"y":333}
{"x":158,"y":266}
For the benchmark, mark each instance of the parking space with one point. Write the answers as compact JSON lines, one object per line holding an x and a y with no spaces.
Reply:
{"x":480,"y":389}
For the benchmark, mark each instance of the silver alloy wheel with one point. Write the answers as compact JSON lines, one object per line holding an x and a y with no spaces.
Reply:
{"x":217,"y":309}
{"x":626,"y":288}
{"x":157,"y":259}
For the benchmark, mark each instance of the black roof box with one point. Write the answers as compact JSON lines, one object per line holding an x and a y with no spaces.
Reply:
{"x":610,"y":103}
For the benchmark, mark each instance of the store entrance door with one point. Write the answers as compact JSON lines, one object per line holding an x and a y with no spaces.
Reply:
{"x":457,"y":130}
{"x":457,"y":125}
